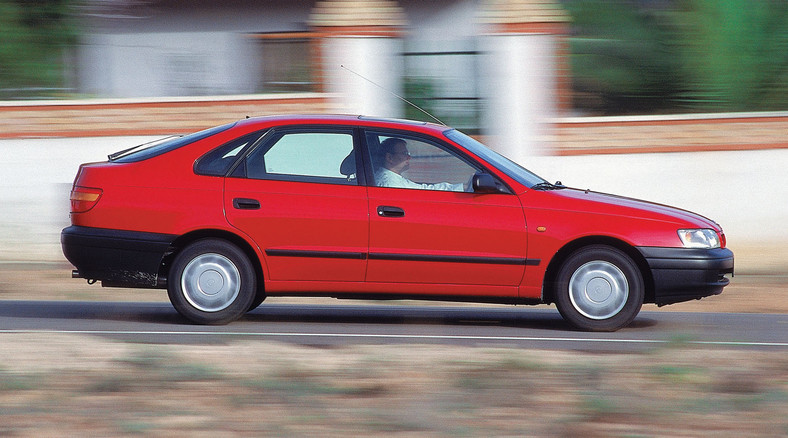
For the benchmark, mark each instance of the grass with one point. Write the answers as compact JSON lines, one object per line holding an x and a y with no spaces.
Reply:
{"x":680,"y":374}
{"x":135,"y":427}
{"x":263,"y":388}
{"x":18,"y":381}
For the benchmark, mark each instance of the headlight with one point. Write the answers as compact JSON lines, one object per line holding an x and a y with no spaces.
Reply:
{"x":701,"y":238}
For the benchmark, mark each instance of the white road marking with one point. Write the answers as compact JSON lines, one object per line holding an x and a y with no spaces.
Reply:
{"x":404,"y":337}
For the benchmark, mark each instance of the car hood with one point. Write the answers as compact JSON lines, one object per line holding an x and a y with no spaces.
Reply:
{"x":602,"y":203}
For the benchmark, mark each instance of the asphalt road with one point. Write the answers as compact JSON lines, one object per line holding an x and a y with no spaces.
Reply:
{"x":328,"y":325}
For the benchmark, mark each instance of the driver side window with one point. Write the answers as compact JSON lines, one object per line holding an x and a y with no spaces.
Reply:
{"x":414,"y":163}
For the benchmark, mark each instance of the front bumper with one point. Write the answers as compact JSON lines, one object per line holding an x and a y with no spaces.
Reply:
{"x":116,"y":257}
{"x":682,"y":274}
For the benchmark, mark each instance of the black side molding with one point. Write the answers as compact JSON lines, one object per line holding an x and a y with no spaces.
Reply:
{"x":273,"y":252}
{"x":455,"y":259}
{"x":315,"y":254}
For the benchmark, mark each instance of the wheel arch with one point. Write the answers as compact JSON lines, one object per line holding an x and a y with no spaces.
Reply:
{"x":548,"y":287}
{"x":186,"y":239}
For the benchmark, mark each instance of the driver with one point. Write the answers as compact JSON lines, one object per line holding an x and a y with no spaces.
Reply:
{"x":395,"y":160}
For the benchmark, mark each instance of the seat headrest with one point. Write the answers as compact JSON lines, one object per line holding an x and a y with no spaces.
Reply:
{"x":348,"y":166}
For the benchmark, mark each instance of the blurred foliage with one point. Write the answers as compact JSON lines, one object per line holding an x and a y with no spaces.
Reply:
{"x":33,"y":37}
{"x":622,"y":57}
{"x":639,"y":56}
{"x":419,"y":91}
{"x":461,"y":112}
{"x":735,"y":52}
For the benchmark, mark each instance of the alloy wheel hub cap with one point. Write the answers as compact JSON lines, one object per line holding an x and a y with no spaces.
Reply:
{"x":598,"y":290}
{"x":211,"y":282}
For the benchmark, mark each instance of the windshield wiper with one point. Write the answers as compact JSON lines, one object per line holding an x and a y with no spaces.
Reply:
{"x":548,"y":186}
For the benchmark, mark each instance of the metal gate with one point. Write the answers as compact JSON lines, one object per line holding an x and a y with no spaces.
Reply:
{"x":445,"y":83}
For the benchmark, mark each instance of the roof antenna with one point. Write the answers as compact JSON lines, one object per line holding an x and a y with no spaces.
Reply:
{"x":395,"y":95}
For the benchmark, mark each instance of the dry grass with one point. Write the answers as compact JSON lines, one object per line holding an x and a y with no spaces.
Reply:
{"x":66,"y":385}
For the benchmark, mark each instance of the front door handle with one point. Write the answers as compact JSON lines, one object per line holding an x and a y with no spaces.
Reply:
{"x":246,"y":204}
{"x":388,"y":211}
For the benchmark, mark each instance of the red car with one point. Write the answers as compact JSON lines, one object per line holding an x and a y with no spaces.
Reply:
{"x":356,"y":207}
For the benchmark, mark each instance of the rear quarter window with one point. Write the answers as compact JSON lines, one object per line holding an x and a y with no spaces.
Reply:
{"x":218,"y":161}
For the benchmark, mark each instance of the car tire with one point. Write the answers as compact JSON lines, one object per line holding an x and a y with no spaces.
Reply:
{"x":212,"y":281}
{"x":258,"y":299}
{"x":599,"y":288}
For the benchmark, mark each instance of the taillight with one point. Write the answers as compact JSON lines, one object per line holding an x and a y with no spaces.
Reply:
{"x":84,"y":198}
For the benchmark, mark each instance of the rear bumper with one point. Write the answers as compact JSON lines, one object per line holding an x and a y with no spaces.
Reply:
{"x":682,"y":274}
{"x":116,"y":257}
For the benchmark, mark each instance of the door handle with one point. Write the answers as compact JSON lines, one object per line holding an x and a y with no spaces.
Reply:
{"x":246,"y":204}
{"x":387,"y":211}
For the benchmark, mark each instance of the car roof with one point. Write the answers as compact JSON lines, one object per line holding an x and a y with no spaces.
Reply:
{"x":340,"y":119}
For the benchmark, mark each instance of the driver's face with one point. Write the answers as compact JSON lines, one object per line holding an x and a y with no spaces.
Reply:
{"x":399,"y":159}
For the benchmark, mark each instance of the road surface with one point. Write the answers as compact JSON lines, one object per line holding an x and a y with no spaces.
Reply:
{"x":326,"y":325}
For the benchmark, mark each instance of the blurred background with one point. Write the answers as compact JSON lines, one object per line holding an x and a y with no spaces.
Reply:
{"x":625,"y":56}
{"x":683,"y":102}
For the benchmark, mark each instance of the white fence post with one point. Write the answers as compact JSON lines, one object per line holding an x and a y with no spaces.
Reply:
{"x":365,"y":38}
{"x":522,"y":75}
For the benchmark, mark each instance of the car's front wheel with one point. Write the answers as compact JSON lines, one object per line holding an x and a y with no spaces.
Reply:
{"x":212,"y":282}
{"x":599,"y":288}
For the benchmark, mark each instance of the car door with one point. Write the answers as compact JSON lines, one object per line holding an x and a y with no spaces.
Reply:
{"x":297,"y":195}
{"x":438,"y":231}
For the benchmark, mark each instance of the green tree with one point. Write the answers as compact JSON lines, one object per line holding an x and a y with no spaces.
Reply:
{"x":33,"y":37}
{"x":735,"y":53}
{"x":622,"y":57}
{"x":637,"y":56}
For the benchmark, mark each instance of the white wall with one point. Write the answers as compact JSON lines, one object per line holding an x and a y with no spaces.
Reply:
{"x":166,"y":47}
{"x":168,"y":64}
{"x":37,"y":176}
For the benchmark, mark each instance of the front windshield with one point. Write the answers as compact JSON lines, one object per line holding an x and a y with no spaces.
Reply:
{"x":507,"y":166}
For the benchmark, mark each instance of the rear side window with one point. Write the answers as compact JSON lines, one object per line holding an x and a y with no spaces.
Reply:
{"x":218,"y":161}
{"x":158,"y":147}
{"x":322,"y":157}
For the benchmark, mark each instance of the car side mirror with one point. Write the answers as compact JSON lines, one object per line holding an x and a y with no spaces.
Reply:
{"x":484,"y":183}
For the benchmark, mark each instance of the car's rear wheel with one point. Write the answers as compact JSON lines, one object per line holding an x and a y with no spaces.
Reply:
{"x":212,"y":282}
{"x":599,"y":288}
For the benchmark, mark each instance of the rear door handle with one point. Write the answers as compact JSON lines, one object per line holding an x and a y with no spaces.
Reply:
{"x":388,"y":211}
{"x":246,"y":204}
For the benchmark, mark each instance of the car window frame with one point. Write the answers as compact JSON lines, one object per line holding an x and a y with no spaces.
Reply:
{"x":261,"y":135}
{"x":436,"y":141}
{"x":275,"y":134}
